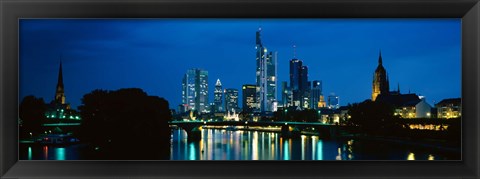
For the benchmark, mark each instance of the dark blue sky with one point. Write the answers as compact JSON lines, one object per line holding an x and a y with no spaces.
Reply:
{"x":423,"y":55}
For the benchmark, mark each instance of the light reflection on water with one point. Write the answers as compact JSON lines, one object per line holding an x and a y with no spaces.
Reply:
{"x":218,"y":144}
{"x":254,"y":145}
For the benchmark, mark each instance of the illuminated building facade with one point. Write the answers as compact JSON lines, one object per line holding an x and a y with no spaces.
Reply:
{"x":380,"y":80}
{"x":449,"y":108}
{"x":195,"y":90}
{"x":231,"y":100}
{"x":266,"y":76}
{"x":218,"y":97}
{"x":249,"y":98}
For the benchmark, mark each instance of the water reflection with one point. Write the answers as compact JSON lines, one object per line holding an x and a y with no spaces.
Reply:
{"x":60,"y":154}
{"x":29,"y":153}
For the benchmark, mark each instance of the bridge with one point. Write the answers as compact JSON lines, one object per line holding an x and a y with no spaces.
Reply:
{"x":288,"y":129}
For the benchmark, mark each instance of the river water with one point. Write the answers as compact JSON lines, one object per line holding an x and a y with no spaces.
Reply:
{"x":220,"y":144}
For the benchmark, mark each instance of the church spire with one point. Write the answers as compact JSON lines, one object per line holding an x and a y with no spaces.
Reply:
{"x":398,"y":88}
{"x":380,"y":58}
{"x":60,"y":93}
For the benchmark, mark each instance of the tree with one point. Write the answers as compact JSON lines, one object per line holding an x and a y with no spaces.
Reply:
{"x":32,"y":115}
{"x":126,"y":124}
{"x":373,"y":117}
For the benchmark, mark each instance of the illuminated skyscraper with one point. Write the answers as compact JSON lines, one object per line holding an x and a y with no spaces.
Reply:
{"x":195,"y":90}
{"x":218,"y":97}
{"x":231,"y":99}
{"x":249,"y":98}
{"x":266,"y":76}
{"x":380,"y":80}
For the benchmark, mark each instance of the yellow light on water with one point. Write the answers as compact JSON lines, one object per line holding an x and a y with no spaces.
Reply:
{"x":411,"y":156}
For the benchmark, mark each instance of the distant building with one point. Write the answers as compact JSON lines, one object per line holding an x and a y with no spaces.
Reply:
{"x":333,"y":101}
{"x":249,"y":99}
{"x":195,"y":90}
{"x":218,"y":97}
{"x":315,"y":93}
{"x":231,"y":100}
{"x":380,"y":80}
{"x":449,"y":108}
{"x":266,"y":76}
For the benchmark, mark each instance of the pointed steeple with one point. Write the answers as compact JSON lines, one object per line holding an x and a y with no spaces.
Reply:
{"x":218,"y":83}
{"x":60,"y":76}
{"x":60,"y":93}
{"x":398,"y":88}
{"x":380,"y":58}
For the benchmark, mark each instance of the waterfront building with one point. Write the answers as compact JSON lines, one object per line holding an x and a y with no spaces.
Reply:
{"x":407,"y":105}
{"x":266,"y":76}
{"x":380,"y":80}
{"x":231,"y":100}
{"x":449,"y":108}
{"x":315,"y":92}
{"x":195,"y":90}
{"x":218,"y":97}
{"x":249,"y":98}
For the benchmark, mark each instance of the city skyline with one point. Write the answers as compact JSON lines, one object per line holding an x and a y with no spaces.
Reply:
{"x":91,"y":55}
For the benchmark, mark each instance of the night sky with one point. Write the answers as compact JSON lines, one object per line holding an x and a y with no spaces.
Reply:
{"x":422,"y":55}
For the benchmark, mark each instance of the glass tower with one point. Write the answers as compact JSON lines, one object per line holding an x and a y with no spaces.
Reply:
{"x":195,"y":90}
{"x":266,"y":77}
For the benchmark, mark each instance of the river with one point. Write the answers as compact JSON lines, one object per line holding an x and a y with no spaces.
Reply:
{"x":219,"y":144}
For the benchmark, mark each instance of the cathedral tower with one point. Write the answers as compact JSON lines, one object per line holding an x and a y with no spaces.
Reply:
{"x":380,"y":80}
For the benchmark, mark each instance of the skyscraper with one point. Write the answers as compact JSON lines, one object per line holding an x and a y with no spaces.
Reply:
{"x":218,"y":97}
{"x":195,"y":90}
{"x":315,"y":93}
{"x":286,"y":95}
{"x":299,"y":83}
{"x":266,"y":76}
{"x":380,"y":80}
{"x":249,"y":98}
{"x":231,"y":99}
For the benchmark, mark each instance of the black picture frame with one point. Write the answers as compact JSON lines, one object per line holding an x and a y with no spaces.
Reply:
{"x":12,"y":10}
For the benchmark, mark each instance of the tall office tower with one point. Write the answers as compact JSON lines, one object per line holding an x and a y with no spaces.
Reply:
{"x":231,"y":100}
{"x":249,"y":98}
{"x":315,"y":94}
{"x":218,"y":97}
{"x":333,"y":101}
{"x":195,"y":90}
{"x":299,"y":83}
{"x":286,"y":95}
{"x":266,"y":76}
{"x":380,"y":80}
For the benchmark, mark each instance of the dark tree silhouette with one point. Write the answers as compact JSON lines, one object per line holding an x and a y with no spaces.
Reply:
{"x":373,"y":117}
{"x":126,"y":124}
{"x":32,"y":115}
